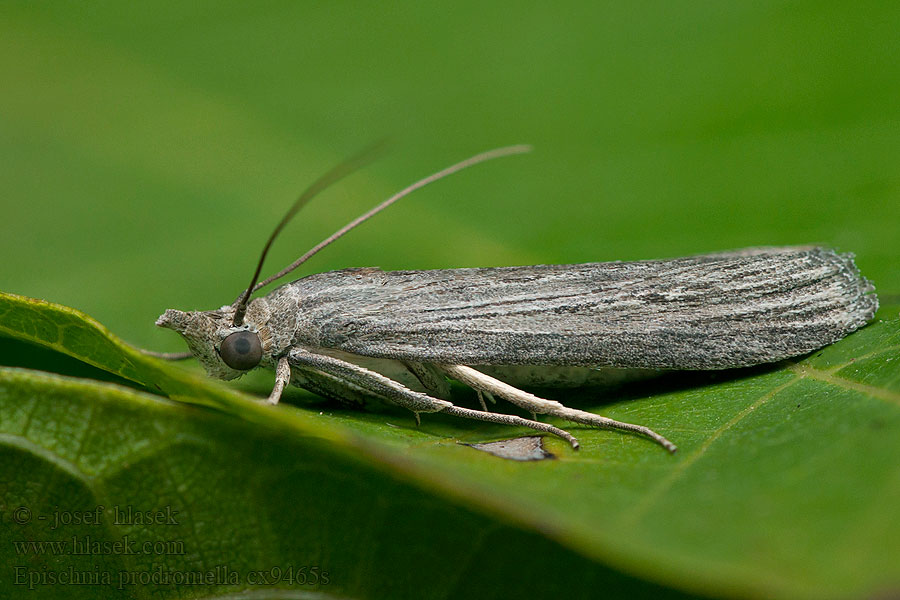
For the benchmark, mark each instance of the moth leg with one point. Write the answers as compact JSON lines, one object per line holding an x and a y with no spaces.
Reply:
{"x":432,"y":379}
{"x":478,"y":380}
{"x":282,"y":378}
{"x":318,"y":382}
{"x":479,"y":415}
{"x":401,"y":395}
{"x":371,"y":381}
{"x":481,"y":400}
{"x":329,"y":386}
{"x":482,"y":394}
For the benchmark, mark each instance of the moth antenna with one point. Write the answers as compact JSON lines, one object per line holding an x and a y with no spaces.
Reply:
{"x":474,"y":160}
{"x":334,"y":175}
{"x":167,"y":355}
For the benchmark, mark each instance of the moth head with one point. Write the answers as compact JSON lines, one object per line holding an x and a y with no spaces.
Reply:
{"x":225,"y":351}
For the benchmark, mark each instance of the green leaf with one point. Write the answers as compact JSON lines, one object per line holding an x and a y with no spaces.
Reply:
{"x":235,"y":507}
{"x":785,"y":484}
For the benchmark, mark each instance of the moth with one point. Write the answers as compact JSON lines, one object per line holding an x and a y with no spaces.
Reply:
{"x":399,"y":336}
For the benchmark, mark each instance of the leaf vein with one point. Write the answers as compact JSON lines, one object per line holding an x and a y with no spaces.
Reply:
{"x":630,"y":518}
{"x":863,"y":388}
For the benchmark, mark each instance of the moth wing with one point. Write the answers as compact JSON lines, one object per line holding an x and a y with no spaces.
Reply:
{"x":702,"y":312}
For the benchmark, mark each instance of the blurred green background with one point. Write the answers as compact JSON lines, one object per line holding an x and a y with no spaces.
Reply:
{"x":147,"y":149}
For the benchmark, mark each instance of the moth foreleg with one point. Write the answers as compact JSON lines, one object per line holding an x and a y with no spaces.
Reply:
{"x":282,"y":378}
{"x":485,"y":383}
{"x":329,"y":386}
{"x":372,"y":381}
{"x":396,"y":392}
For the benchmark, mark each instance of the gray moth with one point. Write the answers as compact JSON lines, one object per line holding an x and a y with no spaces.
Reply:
{"x":355,"y":334}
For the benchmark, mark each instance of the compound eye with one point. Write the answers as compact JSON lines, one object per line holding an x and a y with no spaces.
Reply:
{"x":241,"y":350}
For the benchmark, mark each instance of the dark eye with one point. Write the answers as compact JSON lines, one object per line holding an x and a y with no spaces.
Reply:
{"x":241,"y":350}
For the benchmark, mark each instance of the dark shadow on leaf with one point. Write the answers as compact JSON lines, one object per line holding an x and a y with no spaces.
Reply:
{"x":22,"y":354}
